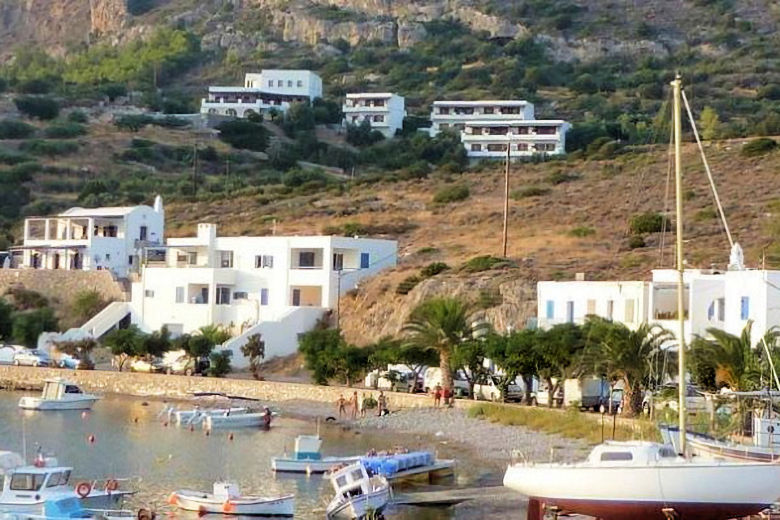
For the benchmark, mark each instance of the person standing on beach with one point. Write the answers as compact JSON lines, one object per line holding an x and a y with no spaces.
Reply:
{"x":437,"y":396}
{"x":363,"y":405}
{"x":342,"y":404}
{"x":353,"y":401}
{"x":446,"y":393}
{"x":382,"y":401}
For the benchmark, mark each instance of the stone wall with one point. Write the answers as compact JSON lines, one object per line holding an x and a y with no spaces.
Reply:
{"x":173,"y":387}
{"x":62,"y":285}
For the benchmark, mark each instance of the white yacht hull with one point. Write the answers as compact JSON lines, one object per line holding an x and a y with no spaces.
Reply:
{"x":310,"y":466}
{"x":360,"y":506}
{"x":245,"y":420}
{"x":198,"y":416}
{"x":103,"y":501}
{"x":84,"y":402}
{"x":706,"y":447}
{"x":254,"y":506}
{"x":696,"y":491}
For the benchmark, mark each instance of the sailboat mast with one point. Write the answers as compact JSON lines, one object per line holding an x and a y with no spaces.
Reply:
{"x":681,"y":385}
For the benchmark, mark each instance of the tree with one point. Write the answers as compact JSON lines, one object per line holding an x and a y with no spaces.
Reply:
{"x":197,"y":346}
{"x":124,"y":344}
{"x":470,"y":357}
{"x":351,"y":363}
{"x":155,"y":344}
{"x":217,"y":334}
{"x":254,"y":349}
{"x":559,"y":352}
{"x":321,"y":348}
{"x":440,"y":324}
{"x":81,"y":349}
{"x":39,"y":107}
{"x":417,"y":359}
{"x":244,"y":134}
{"x":517,"y":355}
{"x":622,"y":354}
{"x":733,"y":358}
{"x":363,"y":134}
{"x":86,"y":304}
{"x":28,"y":325}
{"x":219,"y":364}
{"x":6,"y":319}
{"x":710,"y":124}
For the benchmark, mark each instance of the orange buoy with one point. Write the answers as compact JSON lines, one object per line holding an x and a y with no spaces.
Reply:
{"x":228,"y":507}
{"x":230,"y":436}
{"x":173,"y":499}
{"x":83,"y":415}
{"x":112,"y":485}
{"x":91,"y":438}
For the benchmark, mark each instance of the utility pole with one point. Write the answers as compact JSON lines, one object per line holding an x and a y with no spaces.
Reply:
{"x":506,"y":193}
{"x":194,"y":169}
{"x":338,"y":299}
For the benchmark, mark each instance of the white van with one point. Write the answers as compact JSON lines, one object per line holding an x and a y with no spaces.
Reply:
{"x":7,"y":353}
{"x":432,"y":378}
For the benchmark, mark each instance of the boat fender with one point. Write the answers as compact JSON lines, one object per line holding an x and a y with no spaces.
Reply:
{"x":145,"y":514}
{"x":83,"y":489}
{"x":112,"y":485}
{"x":173,"y":499}
{"x":228,"y":507}
{"x":770,"y":429}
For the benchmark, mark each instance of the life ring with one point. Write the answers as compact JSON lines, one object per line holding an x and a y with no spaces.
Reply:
{"x":83,"y":489}
{"x":145,"y":514}
{"x":112,"y":485}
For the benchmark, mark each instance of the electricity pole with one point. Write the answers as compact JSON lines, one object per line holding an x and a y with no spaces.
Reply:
{"x":506,"y":193}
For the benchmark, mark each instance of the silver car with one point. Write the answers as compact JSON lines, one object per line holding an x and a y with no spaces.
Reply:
{"x":32,"y":357}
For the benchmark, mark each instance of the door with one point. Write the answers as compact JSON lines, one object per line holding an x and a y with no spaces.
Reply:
{"x":296,"y":297}
{"x":142,"y":233}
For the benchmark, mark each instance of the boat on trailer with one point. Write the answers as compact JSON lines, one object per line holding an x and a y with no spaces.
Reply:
{"x":357,"y":495}
{"x":227,"y":499}
{"x":59,"y":394}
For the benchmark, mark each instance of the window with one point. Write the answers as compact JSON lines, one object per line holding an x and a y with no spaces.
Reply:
{"x":379,"y":119}
{"x":522,"y":147}
{"x":591,"y":307}
{"x":27,"y":481}
{"x":300,"y":83}
{"x":130,"y":260}
{"x":744,"y":308}
{"x":258,"y":261}
{"x":365,"y":261}
{"x":610,"y":309}
{"x":476,"y":130}
{"x":180,"y":295}
{"x":263,"y":296}
{"x":545,"y":130}
{"x":497,"y":130}
{"x":59,"y":478}
{"x":476,"y":147}
{"x":338,"y":261}
{"x":721,"y":309}
{"x":609,"y":456}
{"x":192,"y":258}
{"x":268,"y":261}
{"x":289,"y":83}
{"x":226,"y":259}
{"x":296,"y":297}
{"x":522,"y":130}
{"x":72,"y":389}
{"x":488,"y":110}
{"x":496,"y":147}
{"x":306,"y":259}
{"x":108,"y":257}
{"x":223,"y":295}
{"x":142,"y":233}
{"x":149,"y":293}
{"x":545,"y":147}
{"x":270,"y":83}
{"x":280,"y":83}
{"x":240,"y":295}
{"x":570,"y":312}
{"x":629,"y":314}
{"x":444,"y":111}
{"x":550,"y":309}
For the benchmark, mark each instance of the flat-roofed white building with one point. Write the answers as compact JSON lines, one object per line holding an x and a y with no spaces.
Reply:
{"x":489,"y":139}
{"x":385,"y":111}
{"x":109,"y":238}
{"x":270,"y":89}
{"x":453,"y":115}
{"x":275,"y":286}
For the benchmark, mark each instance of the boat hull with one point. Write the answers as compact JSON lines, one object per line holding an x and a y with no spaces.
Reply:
{"x":716,"y":491}
{"x":248,"y":506}
{"x":310,"y":466}
{"x":183,"y":417}
{"x":360,"y":506}
{"x":36,"y":403}
{"x":103,"y":501}
{"x":706,"y":447}
{"x":245,"y":420}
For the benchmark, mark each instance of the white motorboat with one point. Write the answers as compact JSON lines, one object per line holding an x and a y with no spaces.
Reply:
{"x":649,"y":481}
{"x":241,"y":420}
{"x":27,"y":488}
{"x":59,"y":394}
{"x":70,"y":508}
{"x":307,"y":458}
{"x":357,"y":494}
{"x":198,"y":415}
{"x":227,"y":499}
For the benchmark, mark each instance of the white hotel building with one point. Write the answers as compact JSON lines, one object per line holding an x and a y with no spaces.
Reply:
{"x":273,"y":88}
{"x":725,"y":299}
{"x":111,"y":238}
{"x":487,"y":127}
{"x":385,"y":111}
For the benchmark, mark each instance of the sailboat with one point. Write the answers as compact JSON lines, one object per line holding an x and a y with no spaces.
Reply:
{"x":644,"y":480}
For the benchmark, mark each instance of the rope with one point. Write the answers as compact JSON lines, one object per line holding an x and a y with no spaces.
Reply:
{"x":707,"y":169}
{"x":665,"y":219}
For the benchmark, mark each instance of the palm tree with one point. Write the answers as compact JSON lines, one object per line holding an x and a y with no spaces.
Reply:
{"x":626,"y":355}
{"x":735,"y":361}
{"x":441,"y":324}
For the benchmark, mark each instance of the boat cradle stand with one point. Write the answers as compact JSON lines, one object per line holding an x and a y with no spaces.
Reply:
{"x":670,"y":514}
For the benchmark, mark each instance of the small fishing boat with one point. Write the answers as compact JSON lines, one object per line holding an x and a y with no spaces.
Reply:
{"x":308,"y":459}
{"x":59,"y":394}
{"x":241,"y":420}
{"x":67,"y":508}
{"x":27,"y":488}
{"x":358,"y":495}
{"x":227,"y":499}
{"x":198,"y":415}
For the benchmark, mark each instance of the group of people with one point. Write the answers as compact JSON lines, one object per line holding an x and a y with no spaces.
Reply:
{"x":358,"y":405}
{"x":440,"y":393}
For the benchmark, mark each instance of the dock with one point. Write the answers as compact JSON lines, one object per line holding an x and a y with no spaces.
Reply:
{"x":449,"y":497}
{"x":440,"y":469}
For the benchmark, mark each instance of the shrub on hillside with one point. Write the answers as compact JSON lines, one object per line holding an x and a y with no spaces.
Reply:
{"x":647,"y":223}
{"x":760,"y":146}
{"x":3,"y":84}
{"x":407,"y":284}
{"x":582,"y":231}
{"x":19,"y":173}
{"x":362,"y":134}
{"x":244,"y":134}
{"x":561,"y":177}
{"x":34,"y":86}
{"x":296,"y":178}
{"x":65,"y":130}
{"x":49,"y":148}
{"x":636,"y":242}
{"x":433,"y":269}
{"x":39,"y":107}
{"x":479,"y":264}
{"x":113,"y":90}
{"x":530,"y":191}
{"x":133,"y":123}
{"x":12,"y":157}
{"x":78,"y":116}
{"x":454,"y":193}
{"x":14,"y":129}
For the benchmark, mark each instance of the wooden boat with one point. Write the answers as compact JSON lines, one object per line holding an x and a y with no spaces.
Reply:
{"x":307,"y":458}
{"x":649,"y":481}
{"x":59,"y":394}
{"x":357,"y":494}
{"x":227,"y":499}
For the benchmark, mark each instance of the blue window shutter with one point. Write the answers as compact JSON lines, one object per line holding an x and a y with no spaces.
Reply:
{"x":364,"y":260}
{"x":745,"y":308}
{"x":550,"y":309}
{"x":711,"y":311}
{"x":263,"y":296}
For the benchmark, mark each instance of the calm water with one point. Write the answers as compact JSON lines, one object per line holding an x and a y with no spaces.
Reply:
{"x":131,"y":442}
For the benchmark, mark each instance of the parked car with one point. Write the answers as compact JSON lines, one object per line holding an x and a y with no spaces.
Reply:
{"x":542,"y":396}
{"x":32,"y":357}
{"x":187,"y":366}
{"x":489,"y":390}
{"x":68,"y":361}
{"x":7,"y":353}
{"x":432,"y":377}
{"x":146,"y":365}
{"x":666,"y":397}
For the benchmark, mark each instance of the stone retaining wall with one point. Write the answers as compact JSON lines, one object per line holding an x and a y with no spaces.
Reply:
{"x":170,"y":386}
{"x":62,"y":285}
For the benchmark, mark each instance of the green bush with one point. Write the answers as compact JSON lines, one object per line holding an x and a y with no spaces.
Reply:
{"x":78,"y":116}
{"x":561,"y":177}
{"x":65,"y":130}
{"x":636,"y":242}
{"x":483,"y":263}
{"x":244,"y":134}
{"x":39,"y":107}
{"x":647,"y":223}
{"x":529,"y":191}
{"x":133,"y":123}
{"x":220,"y":364}
{"x":12,"y":157}
{"x":15,"y":129}
{"x":760,"y":146}
{"x":433,"y":269}
{"x":582,"y":231}
{"x":454,"y":193}
{"x":49,"y":148}
{"x":407,"y":284}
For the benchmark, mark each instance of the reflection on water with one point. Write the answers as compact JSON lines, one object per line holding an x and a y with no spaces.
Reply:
{"x":129,"y":441}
